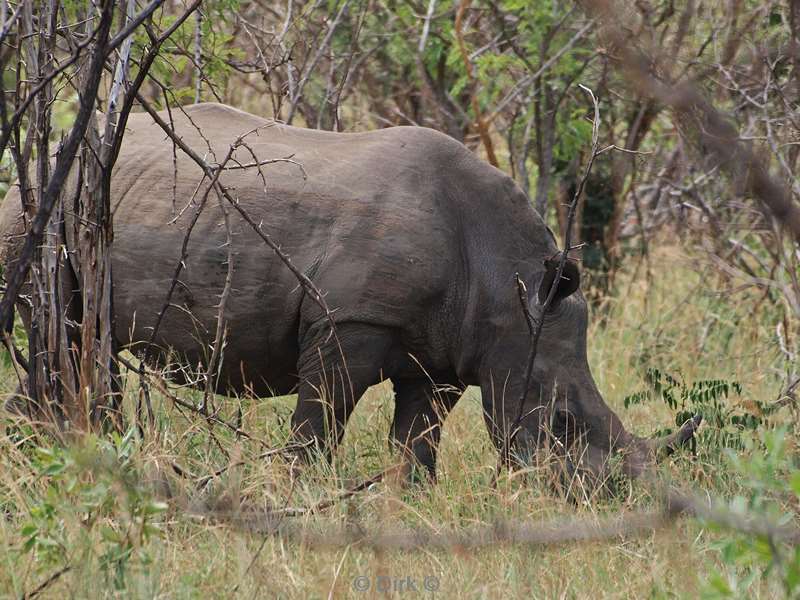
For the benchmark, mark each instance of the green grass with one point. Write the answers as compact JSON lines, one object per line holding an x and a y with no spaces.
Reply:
{"x":128,"y":526}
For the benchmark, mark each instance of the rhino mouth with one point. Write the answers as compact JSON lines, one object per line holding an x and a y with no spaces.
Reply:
{"x":580,"y":462}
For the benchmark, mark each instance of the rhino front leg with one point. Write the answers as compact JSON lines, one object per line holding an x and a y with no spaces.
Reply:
{"x":333,"y":376}
{"x":420,"y":410}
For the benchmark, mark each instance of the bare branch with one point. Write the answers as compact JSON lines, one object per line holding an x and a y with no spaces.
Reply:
{"x":535,"y":333}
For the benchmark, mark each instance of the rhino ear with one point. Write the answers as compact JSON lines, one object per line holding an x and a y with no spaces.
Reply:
{"x":570,"y":279}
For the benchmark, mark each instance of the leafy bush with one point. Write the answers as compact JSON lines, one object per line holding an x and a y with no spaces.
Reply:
{"x":771,"y":482}
{"x":709,"y":397}
{"x":94,"y":485}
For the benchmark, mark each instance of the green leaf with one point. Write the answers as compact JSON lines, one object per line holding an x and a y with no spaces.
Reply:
{"x":110,"y":535}
{"x":155,"y":507}
{"x":719,"y":585}
{"x":794,"y":483}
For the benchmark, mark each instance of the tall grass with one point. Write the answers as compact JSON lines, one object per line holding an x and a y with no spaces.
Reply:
{"x":118,"y":517}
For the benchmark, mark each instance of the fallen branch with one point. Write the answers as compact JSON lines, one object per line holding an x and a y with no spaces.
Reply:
{"x":283,"y":450}
{"x":557,"y":532}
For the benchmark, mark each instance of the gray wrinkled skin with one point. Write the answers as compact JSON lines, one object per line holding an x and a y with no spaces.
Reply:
{"x":413,"y":239}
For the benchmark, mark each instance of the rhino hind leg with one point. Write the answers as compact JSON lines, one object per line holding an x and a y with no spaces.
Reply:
{"x":333,"y":377}
{"x":421,"y":407}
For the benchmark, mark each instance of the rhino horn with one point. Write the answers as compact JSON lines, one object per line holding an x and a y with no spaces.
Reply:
{"x":642,"y":453}
{"x":667,"y":444}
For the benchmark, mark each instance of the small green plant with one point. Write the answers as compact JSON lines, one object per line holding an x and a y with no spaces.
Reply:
{"x":96,"y":486}
{"x":760,"y":556}
{"x":726,"y":421}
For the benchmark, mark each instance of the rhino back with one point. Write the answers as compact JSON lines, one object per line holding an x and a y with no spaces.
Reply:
{"x":365,"y":216}
{"x":403,"y":228}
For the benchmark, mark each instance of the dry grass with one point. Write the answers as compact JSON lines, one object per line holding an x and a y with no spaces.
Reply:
{"x":675,"y":322}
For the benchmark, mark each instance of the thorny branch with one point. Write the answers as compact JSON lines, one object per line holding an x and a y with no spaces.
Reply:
{"x":535,"y":325}
{"x":308,"y":286}
{"x":219,"y":336}
{"x":158,"y":382}
{"x":66,"y":156}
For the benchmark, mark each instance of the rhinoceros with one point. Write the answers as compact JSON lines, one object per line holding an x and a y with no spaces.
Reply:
{"x":414,"y":242}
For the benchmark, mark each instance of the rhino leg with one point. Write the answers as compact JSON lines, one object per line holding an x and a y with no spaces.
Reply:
{"x":332,"y":379}
{"x":419,"y":412}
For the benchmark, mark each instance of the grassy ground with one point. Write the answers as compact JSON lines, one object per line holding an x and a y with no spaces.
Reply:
{"x":124,"y":524}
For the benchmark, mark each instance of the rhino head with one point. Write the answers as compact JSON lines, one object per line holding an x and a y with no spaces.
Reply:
{"x":561,"y":406}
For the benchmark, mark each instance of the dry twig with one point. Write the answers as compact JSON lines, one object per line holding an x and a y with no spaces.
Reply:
{"x":535,"y":325}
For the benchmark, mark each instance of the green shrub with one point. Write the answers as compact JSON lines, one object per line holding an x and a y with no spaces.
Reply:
{"x":96,"y":487}
{"x":725,"y":422}
{"x":761,"y":556}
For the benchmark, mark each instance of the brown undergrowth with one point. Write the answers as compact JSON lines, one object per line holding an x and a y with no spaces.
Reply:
{"x":193,"y":508}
